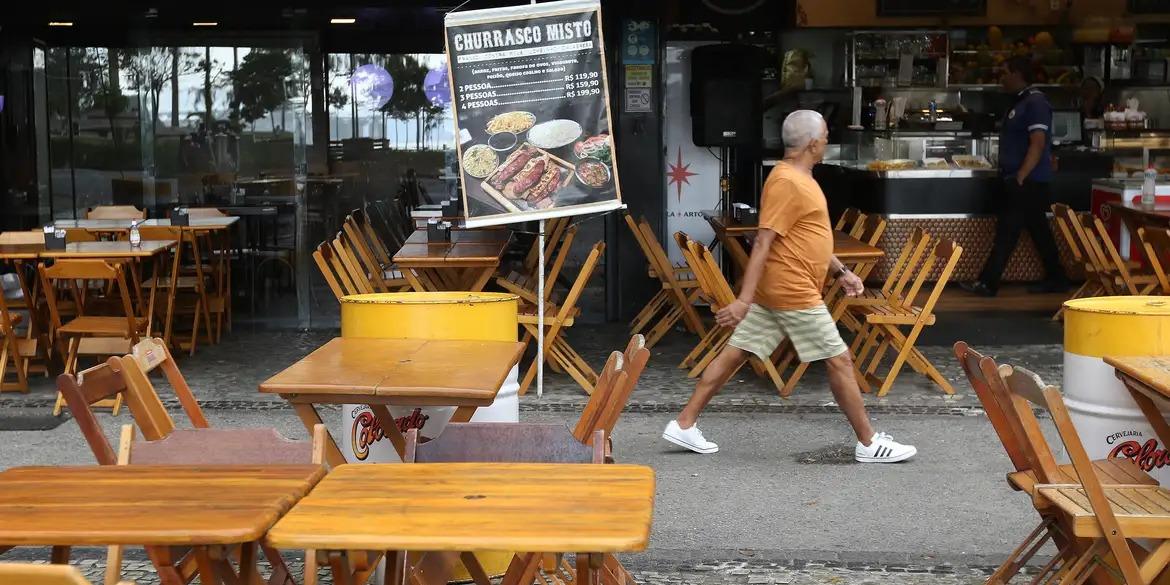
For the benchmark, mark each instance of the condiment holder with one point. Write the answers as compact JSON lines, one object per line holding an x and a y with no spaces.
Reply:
{"x":54,"y":238}
{"x":438,"y":232}
{"x":180,"y":217}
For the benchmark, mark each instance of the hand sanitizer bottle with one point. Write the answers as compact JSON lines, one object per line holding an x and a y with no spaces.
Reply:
{"x":135,"y":236}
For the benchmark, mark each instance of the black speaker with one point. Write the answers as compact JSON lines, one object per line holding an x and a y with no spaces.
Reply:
{"x":726,"y":107}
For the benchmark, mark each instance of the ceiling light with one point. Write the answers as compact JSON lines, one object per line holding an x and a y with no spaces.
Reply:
{"x":342,"y":20}
{"x":60,"y":23}
{"x":204,"y":23}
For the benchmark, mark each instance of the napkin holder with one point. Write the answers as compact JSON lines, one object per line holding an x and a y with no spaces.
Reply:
{"x":750,"y":216}
{"x":438,"y":232}
{"x":739,"y":210}
{"x":55,"y":240}
{"x":179,"y":217}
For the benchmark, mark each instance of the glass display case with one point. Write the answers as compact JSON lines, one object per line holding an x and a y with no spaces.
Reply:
{"x":897,"y":154}
{"x":897,"y":59}
{"x":1134,"y":151}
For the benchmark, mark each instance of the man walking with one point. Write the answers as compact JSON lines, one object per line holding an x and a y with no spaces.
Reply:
{"x":781,"y":296}
{"x":1025,"y":161}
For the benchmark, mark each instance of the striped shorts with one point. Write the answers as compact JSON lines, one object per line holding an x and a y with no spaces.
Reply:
{"x":812,"y":331}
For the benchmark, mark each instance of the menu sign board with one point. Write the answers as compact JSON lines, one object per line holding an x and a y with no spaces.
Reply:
{"x":531,"y":107}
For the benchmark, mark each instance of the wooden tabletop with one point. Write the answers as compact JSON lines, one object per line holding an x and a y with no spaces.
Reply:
{"x":845,"y":246}
{"x":147,"y":504}
{"x":466,"y":248}
{"x":402,"y":371}
{"x":474,"y":507}
{"x":1158,"y":215}
{"x":730,"y":224}
{"x":196,"y":223}
{"x":117,"y":249}
{"x":1153,"y":372}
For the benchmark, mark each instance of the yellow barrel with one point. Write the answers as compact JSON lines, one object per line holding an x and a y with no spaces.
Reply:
{"x":1106,"y":417}
{"x":430,"y":315}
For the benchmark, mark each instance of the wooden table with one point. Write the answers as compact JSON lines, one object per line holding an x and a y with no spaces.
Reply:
{"x":214,"y":509}
{"x":1148,"y":381}
{"x":732,"y":233}
{"x":466,"y":263}
{"x":119,"y":225}
{"x":449,"y":510}
{"x":384,"y":372}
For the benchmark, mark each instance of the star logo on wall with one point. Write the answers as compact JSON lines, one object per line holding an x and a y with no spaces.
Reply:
{"x":679,"y":174}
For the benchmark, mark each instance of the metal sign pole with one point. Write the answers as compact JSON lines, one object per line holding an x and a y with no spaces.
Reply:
{"x":540,"y":313}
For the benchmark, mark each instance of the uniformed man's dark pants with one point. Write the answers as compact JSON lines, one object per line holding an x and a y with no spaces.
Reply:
{"x":1020,"y":208}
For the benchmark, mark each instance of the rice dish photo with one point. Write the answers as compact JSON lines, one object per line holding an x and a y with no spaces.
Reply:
{"x":514,"y":122}
{"x":554,"y":133}
{"x":480,"y":160}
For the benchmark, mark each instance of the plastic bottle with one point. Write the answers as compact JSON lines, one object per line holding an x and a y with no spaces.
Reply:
{"x":1149,"y":181}
{"x":135,"y":235}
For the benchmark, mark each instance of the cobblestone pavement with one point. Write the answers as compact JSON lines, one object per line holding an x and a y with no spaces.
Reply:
{"x":225,"y":376}
{"x":789,"y":572}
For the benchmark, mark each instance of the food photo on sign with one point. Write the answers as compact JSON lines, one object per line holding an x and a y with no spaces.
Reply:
{"x":532,"y":111}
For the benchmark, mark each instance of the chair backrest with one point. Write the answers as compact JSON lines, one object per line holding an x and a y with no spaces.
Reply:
{"x":983,"y":374}
{"x":349,"y":262}
{"x":1098,"y":258}
{"x":115,"y":212}
{"x":1024,"y":391}
{"x":259,"y":446}
{"x":145,"y":357}
{"x":335,"y":275}
{"x":1156,"y":242}
{"x":946,"y":253}
{"x":377,"y":246}
{"x":363,"y":255}
{"x":558,"y":263}
{"x":583,"y":276}
{"x":27,"y":574}
{"x":848,"y":219}
{"x":1111,"y":256}
{"x":98,"y":383}
{"x":908,"y":260}
{"x":504,"y":443}
{"x":611,"y":376}
{"x":1091,"y":483}
{"x":634,"y":361}
{"x":665,"y":269}
{"x":71,"y":272}
{"x":640,"y":239}
{"x":22,"y":237}
{"x":717,"y":287}
{"x":1065,"y":223}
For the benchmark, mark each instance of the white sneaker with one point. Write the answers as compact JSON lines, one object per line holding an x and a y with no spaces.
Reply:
{"x":883,"y":449}
{"x":691,"y":438}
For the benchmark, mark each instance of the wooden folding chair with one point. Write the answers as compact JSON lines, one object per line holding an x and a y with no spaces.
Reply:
{"x":525,"y":287}
{"x":1126,"y":278}
{"x":1012,"y":417}
{"x":14,"y":349}
{"x":554,"y":229}
{"x":615,"y":383}
{"x":681,"y":294}
{"x":1156,"y":242}
{"x":372,"y":257}
{"x":86,"y":333}
{"x":28,"y":574}
{"x":893,"y":289}
{"x":1108,"y":515}
{"x":884,"y":322}
{"x":557,"y":319}
{"x":115,"y":212}
{"x":219,"y":249}
{"x":347,"y":260}
{"x":1071,"y":230}
{"x":128,"y":377}
{"x":718,"y":290}
{"x":186,"y":294}
{"x":335,"y":275}
{"x":663,"y":299}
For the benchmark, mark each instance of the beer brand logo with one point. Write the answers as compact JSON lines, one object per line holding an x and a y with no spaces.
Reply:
{"x":366,"y":430}
{"x":1146,"y":455}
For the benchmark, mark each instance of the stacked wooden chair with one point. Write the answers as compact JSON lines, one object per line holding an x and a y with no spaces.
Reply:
{"x":1128,"y":278}
{"x":27,"y":315}
{"x":558,"y":318}
{"x":14,"y":351}
{"x":1071,"y":229}
{"x":1010,"y":397}
{"x":128,"y":376}
{"x":370,"y":256}
{"x":525,"y":285}
{"x":716,"y":288}
{"x":193,"y":292}
{"x":882,"y":323}
{"x":676,"y":297}
{"x":1156,"y":242}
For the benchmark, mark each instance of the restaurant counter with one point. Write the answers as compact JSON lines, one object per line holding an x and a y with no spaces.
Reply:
{"x":957,"y":204}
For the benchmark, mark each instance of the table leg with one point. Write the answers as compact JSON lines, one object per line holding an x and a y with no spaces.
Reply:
{"x":522,"y":570}
{"x":172,"y":292}
{"x":207,"y":571}
{"x":249,"y":573}
{"x":59,"y":555}
{"x":389,"y":427}
{"x":310,"y":418}
{"x":463,"y":414}
{"x":480,"y":281}
{"x":339,"y":565}
{"x":1149,"y":408}
{"x":413,"y":279}
{"x":587,"y":565}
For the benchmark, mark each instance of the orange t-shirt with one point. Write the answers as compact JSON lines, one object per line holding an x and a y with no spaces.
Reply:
{"x":793,"y":206}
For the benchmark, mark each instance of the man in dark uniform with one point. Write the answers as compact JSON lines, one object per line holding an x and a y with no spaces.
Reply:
{"x":1025,"y":162}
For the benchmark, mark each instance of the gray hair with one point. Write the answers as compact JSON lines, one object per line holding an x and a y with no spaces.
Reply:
{"x":802,"y":127}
